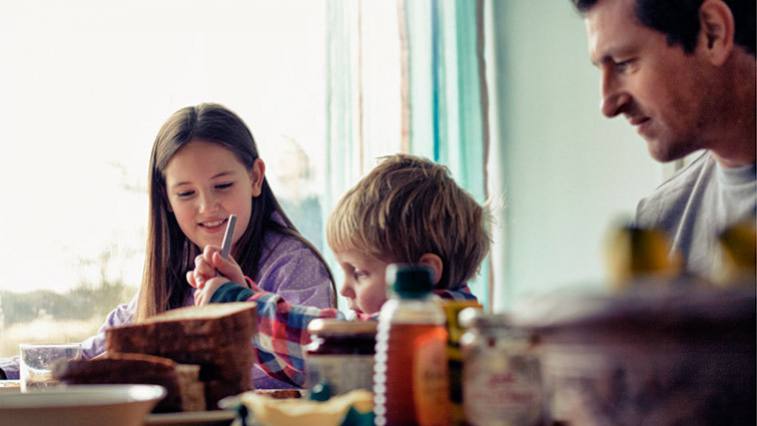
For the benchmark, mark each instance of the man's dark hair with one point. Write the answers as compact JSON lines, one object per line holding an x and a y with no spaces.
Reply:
{"x":679,"y":20}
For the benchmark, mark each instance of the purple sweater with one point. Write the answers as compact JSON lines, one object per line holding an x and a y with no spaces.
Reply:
{"x":287,"y":267}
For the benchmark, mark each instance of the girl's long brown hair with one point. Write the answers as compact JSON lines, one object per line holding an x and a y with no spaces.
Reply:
{"x":169,"y":253}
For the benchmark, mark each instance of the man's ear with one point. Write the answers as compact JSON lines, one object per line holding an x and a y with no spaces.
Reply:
{"x":435,"y":263}
{"x":257,"y":175}
{"x":716,"y":31}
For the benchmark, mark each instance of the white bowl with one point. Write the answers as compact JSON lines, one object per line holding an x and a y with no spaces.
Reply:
{"x":81,"y":405}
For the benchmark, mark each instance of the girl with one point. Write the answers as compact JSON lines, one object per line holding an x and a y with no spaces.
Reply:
{"x":205,"y":166}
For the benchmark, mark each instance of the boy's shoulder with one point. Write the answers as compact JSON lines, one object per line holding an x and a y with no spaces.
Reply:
{"x":461,"y":292}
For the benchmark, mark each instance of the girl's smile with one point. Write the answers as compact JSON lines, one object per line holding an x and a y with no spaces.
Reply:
{"x":214,"y":225}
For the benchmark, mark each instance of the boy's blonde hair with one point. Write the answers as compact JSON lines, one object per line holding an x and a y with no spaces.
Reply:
{"x":407,"y":206}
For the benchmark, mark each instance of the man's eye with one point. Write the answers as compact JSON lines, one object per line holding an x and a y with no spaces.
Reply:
{"x":623,"y":66}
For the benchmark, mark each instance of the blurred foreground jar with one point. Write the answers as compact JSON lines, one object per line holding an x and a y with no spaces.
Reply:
{"x":636,"y":256}
{"x":676,"y":355}
{"x":501,"y":372}
{"x":341,"y":354}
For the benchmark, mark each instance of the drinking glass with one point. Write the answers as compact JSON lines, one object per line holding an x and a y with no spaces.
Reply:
{"x":37,"y":363}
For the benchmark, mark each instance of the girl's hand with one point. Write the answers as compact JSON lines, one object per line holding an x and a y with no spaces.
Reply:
{"x":204,"y":294}
{"x":211,"y":264}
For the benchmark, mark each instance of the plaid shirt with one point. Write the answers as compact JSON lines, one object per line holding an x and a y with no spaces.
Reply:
{"x":282,"y":327}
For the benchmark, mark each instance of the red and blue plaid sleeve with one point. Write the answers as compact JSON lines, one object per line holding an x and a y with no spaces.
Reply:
{"x":282,"y":331}
{"x":282,"y":335}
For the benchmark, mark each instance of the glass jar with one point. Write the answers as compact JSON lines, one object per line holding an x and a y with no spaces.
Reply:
{"x":501,"y":372}
{"x":341,"y":354}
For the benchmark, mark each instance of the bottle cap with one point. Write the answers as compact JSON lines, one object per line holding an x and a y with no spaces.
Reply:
{"x":409,"y":281}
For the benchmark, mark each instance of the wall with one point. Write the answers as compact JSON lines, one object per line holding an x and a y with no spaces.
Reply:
{"x":567,"y":173}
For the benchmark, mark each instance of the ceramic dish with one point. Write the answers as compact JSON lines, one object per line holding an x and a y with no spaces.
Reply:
{"x":193,"y":418}
{"x":81,"y":405}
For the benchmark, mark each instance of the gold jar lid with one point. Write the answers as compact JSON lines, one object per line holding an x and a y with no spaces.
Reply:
{"x":333,"y":327}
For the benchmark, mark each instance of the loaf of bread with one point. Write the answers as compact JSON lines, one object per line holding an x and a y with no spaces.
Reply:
{"x":184,"y":391}
{"x":217,"y":337}
{"x":194,"y":329}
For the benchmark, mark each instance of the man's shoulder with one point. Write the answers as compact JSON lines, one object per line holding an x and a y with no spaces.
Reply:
{"x":702,"y":168}
{"x":673,"y":194}
{"x":703,"y":163}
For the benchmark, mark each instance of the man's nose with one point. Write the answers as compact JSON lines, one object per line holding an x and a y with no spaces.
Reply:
{"x":614,"y":96}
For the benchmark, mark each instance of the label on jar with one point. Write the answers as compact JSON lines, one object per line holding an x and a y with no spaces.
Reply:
{"x":343,"y":372}
{"x":501,"y":389}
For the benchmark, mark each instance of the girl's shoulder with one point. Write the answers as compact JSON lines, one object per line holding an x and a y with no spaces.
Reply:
{"x":277,"y":239}
{"x":290,"y":267}
{"x":279,"y":244}
{"x":287,"y":254}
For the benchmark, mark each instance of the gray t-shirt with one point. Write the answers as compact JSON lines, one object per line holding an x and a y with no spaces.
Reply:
{"x":696,"y":204}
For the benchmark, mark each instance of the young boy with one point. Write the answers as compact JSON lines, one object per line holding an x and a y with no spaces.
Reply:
{"x":406,"y":210}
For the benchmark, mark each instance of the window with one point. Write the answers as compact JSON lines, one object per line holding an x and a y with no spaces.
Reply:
{"x":86,"y":86}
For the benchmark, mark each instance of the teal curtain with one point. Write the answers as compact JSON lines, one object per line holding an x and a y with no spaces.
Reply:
{"x":343,"y":116}
{"x":442,"y":89}
{"x":446,"y":95}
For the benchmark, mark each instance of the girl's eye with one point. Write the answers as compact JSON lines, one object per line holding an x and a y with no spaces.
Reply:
{"x":359,"y":275}
{"x":185,"y":194}
{"x":224,"y":185}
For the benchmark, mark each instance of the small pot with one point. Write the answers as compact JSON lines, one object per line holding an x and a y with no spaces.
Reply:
{"x":652,"y":356}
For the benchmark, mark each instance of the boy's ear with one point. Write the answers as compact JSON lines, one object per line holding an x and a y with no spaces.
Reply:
{"x":435,"y":263}
{"x":257,"y":175}
{"x":716,"y":34}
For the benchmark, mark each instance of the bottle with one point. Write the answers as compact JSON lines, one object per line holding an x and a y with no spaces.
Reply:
{"x":411,"y":380}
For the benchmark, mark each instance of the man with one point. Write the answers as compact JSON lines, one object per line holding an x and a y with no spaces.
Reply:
{"x":682,"y":72}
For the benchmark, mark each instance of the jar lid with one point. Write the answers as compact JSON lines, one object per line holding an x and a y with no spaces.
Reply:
{"x":333,"y":327}
{"x":679,"y":313}
{"x":472,"y":317}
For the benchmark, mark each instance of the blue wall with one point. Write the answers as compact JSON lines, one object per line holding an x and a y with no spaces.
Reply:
{"x":568,"y":173}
